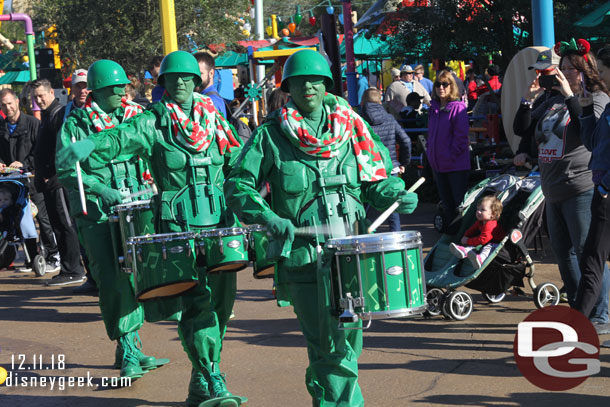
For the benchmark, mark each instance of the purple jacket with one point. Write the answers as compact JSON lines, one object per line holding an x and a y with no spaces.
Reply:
{"x":448,"y":137}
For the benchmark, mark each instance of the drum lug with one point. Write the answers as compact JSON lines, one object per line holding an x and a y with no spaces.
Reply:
{"x":189,"y":249}
{"x":348,"y":303}
{"x":139,"y":255}
{"x":201,"y":247}
{"x":113,"y":218}
{"x":164,"y":252}
{"x":221,"y":246}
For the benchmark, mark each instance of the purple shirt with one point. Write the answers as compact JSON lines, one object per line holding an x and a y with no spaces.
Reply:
{"x":448,"y":137}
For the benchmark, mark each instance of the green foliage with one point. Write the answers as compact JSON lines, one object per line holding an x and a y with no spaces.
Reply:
{"x":469,"y":30}
{"x":129,"y":31}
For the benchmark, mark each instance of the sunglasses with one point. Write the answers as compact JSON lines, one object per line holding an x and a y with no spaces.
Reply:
{"x":443,"y":84}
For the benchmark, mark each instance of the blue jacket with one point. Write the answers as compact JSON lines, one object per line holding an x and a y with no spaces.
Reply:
{"x":596,"y":137}
{"x":389,"y":131}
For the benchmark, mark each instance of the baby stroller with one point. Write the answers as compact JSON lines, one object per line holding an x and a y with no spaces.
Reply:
{"x":506,"y":265}
{"x":11,"y":233}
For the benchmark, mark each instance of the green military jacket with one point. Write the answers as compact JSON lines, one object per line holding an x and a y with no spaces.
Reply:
{"x":188,"y":183}
{"x":124,"y":172}
{"x":302,"y":186}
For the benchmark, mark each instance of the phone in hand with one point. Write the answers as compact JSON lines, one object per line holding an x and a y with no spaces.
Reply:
{"x":548,"y":81}
{"x":582,"y":85}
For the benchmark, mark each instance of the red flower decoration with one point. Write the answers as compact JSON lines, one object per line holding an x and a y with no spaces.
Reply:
{"x":583,"y":46}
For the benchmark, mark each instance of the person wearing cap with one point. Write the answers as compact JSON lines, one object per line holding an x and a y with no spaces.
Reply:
{"x":78,"y":90}
{"x":55,"y":196}
{"x":563,"y":159}
{"x":105,"y":108}
{"x":189,"y":146}
{"x":322,"y":162}
{"x":395,"y":74}
{"x":396,"y":93}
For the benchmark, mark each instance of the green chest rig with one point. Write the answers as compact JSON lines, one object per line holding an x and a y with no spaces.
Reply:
{"x":200,"y":203}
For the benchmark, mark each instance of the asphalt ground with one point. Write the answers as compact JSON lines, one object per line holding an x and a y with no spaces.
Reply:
{"x":405,"y":362}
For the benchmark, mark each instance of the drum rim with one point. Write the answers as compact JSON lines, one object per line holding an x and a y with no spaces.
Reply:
{"x":160,"y":238}
{"x":139,"y":293}
{"x":402,"y":312}
{"x":408,"y":235}
{"x":124,"y":207}
{"x":211,"y":270}
{"x":238,"y":231}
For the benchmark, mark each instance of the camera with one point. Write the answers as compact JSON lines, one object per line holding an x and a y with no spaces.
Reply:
{"x":548,"y":81}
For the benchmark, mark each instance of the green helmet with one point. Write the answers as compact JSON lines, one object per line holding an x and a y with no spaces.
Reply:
{"x":304,"y":63}
{"x":179,"y":62}
{"x":105,"y":72}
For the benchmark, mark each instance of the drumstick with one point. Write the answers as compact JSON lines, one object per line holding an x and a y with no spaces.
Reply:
{"x":140,"y":193}
{"x":393,"y":207}
{"x":81,"y":189}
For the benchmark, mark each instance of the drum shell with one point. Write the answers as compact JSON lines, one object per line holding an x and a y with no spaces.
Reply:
{"x":134,"y":220}
{"x":163,"y":265}
{"x":398,"y":266}
{"x":262,"y":268}
{"x":226,"y":249}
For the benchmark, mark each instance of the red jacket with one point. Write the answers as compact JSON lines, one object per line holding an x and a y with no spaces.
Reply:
{"x":482,"y":233}
{"x":494,"y":82}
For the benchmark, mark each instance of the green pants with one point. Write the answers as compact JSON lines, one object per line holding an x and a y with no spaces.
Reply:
{"x":332,"y":375}
{"x":205,"y":312}
{"x":120,"y":310}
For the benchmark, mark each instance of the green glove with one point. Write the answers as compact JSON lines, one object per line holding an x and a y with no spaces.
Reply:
{"x":71,"y":154}
{"x":408,"y":202}
{"x":281,"y":228}
{"x":109,"y":196}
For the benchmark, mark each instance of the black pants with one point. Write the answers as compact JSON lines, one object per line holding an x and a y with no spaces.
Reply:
{"x":65,"y":231}
{"x":46,"y":231}
{"x":452,"y":187}
{"x":594,"y":255}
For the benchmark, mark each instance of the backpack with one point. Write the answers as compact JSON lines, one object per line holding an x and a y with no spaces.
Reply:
{"x":242,"y":128}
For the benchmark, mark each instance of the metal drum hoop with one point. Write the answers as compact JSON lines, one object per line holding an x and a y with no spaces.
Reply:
{"x":375,"y":243}
{"x":130,"y":206}
{"x":161,"y":238}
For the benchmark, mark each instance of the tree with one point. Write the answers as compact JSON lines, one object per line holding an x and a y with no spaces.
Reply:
{"x":129,"y":31}
{"x":471,"y":29}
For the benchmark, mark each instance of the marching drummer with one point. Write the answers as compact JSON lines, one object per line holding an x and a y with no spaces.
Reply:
{"x":105,"y":108}
{"x":323,"y":163}
{"x":189,"y":145}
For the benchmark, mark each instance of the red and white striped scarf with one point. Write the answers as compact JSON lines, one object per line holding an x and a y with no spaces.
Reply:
{"x":101,"y":120}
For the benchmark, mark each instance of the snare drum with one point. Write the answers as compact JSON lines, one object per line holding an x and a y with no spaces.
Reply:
{"x":259,"y":241}
{"x":225,"y":249}
{"x":378,"y":276}
{"x":163,"y":264}
{"x":134,"y":219}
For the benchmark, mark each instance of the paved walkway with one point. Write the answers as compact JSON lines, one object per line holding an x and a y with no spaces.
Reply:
{"x":415,"y":362}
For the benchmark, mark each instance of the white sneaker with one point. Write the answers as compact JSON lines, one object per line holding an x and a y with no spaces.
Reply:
{"x":475,"y":259}
{"x":52,"y":266}
{"x":26,"y":268}
{"x":458,"y":251}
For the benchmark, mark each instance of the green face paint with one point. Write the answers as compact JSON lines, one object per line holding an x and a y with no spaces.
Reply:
{"x":180,"y":86}
{"x":109,"y":98}
{"x":307,"y":92}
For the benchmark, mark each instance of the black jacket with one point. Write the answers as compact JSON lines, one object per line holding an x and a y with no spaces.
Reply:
{"x":389,"y":131}
{"x":19,"y":146}
{"x":44,"y":154}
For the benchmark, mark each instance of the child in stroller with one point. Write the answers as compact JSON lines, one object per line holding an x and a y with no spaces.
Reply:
{"x":506,"y":265}
{"x":485,"y":232}
{"x":17,"y":226}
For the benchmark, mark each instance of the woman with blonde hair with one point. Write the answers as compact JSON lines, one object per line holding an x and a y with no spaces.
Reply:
{"x":448,"y":153}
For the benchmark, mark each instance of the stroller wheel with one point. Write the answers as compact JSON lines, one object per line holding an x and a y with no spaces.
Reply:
{"x":494,"y":298}
{"x":39,"y":265}
{"x":459,"y":305}
{"x":546,"y":295}
{"x":434,"y":298}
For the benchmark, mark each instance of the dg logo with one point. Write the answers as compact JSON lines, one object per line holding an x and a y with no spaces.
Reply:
{"x":556,"y":348}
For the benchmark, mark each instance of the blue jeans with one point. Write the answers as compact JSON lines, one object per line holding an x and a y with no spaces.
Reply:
{"x":568,"y":223}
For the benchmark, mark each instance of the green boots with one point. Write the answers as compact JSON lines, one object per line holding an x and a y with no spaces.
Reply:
{"x":198,"y":389}
{"x":208,"y":389}
{"x":130,"y":359}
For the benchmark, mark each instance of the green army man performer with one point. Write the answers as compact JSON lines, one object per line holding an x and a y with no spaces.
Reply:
{"x":323,"y":164}
{"x":104,"y":108}
{"x":189,"y":146}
